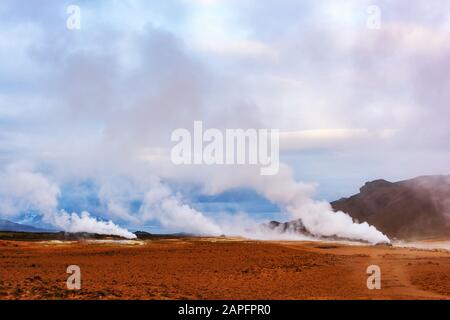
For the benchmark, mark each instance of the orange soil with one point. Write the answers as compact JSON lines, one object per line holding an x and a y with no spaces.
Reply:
{"x":220,"y":269}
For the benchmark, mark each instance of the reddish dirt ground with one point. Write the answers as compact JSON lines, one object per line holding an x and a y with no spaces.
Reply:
{"x":220,"y":269}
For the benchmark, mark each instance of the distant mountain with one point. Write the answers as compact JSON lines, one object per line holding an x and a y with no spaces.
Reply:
{"x":6,"y":225}
{"x":412,"y":209}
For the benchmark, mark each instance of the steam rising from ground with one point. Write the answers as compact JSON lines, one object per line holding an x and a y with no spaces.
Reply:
{"x":160,"y":204}
{"x":85,"y":223}
{"x":296,"y":198}
{"x":23,"y":189}
{"x":318,"y":216}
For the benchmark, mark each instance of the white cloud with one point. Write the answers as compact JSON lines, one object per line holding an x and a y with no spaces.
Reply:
{"x":331,"y":139}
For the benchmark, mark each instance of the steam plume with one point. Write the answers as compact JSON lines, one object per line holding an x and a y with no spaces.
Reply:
{"x":296,"y":198}
{"x":23,"y":189}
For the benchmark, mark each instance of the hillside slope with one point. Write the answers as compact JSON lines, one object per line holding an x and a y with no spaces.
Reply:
{"x":6,"y":225}
{"x":411,"y":209}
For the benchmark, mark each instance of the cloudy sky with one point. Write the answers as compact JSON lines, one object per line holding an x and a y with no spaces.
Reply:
{"x":86,"y":114}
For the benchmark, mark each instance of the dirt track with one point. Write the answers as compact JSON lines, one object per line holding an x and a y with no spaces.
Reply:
{"x":220,"y":269}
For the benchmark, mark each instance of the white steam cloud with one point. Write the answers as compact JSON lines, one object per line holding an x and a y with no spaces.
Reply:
{"x":318,"y":216}
{"x":23,"y":189}
{"x":296,"y":198}
{"x":160,"y":204}
{"x":85,"y":223}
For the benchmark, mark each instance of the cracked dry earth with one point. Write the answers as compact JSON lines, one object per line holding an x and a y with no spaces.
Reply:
{"x":220,"y":268}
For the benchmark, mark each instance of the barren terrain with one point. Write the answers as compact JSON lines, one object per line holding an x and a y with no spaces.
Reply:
{"x":219,"y":268}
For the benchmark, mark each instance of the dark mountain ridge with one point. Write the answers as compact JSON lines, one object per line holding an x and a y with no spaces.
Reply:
{"x":411,"y":209}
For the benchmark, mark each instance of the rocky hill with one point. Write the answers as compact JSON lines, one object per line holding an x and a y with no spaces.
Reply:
{"x":412,"y":209}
